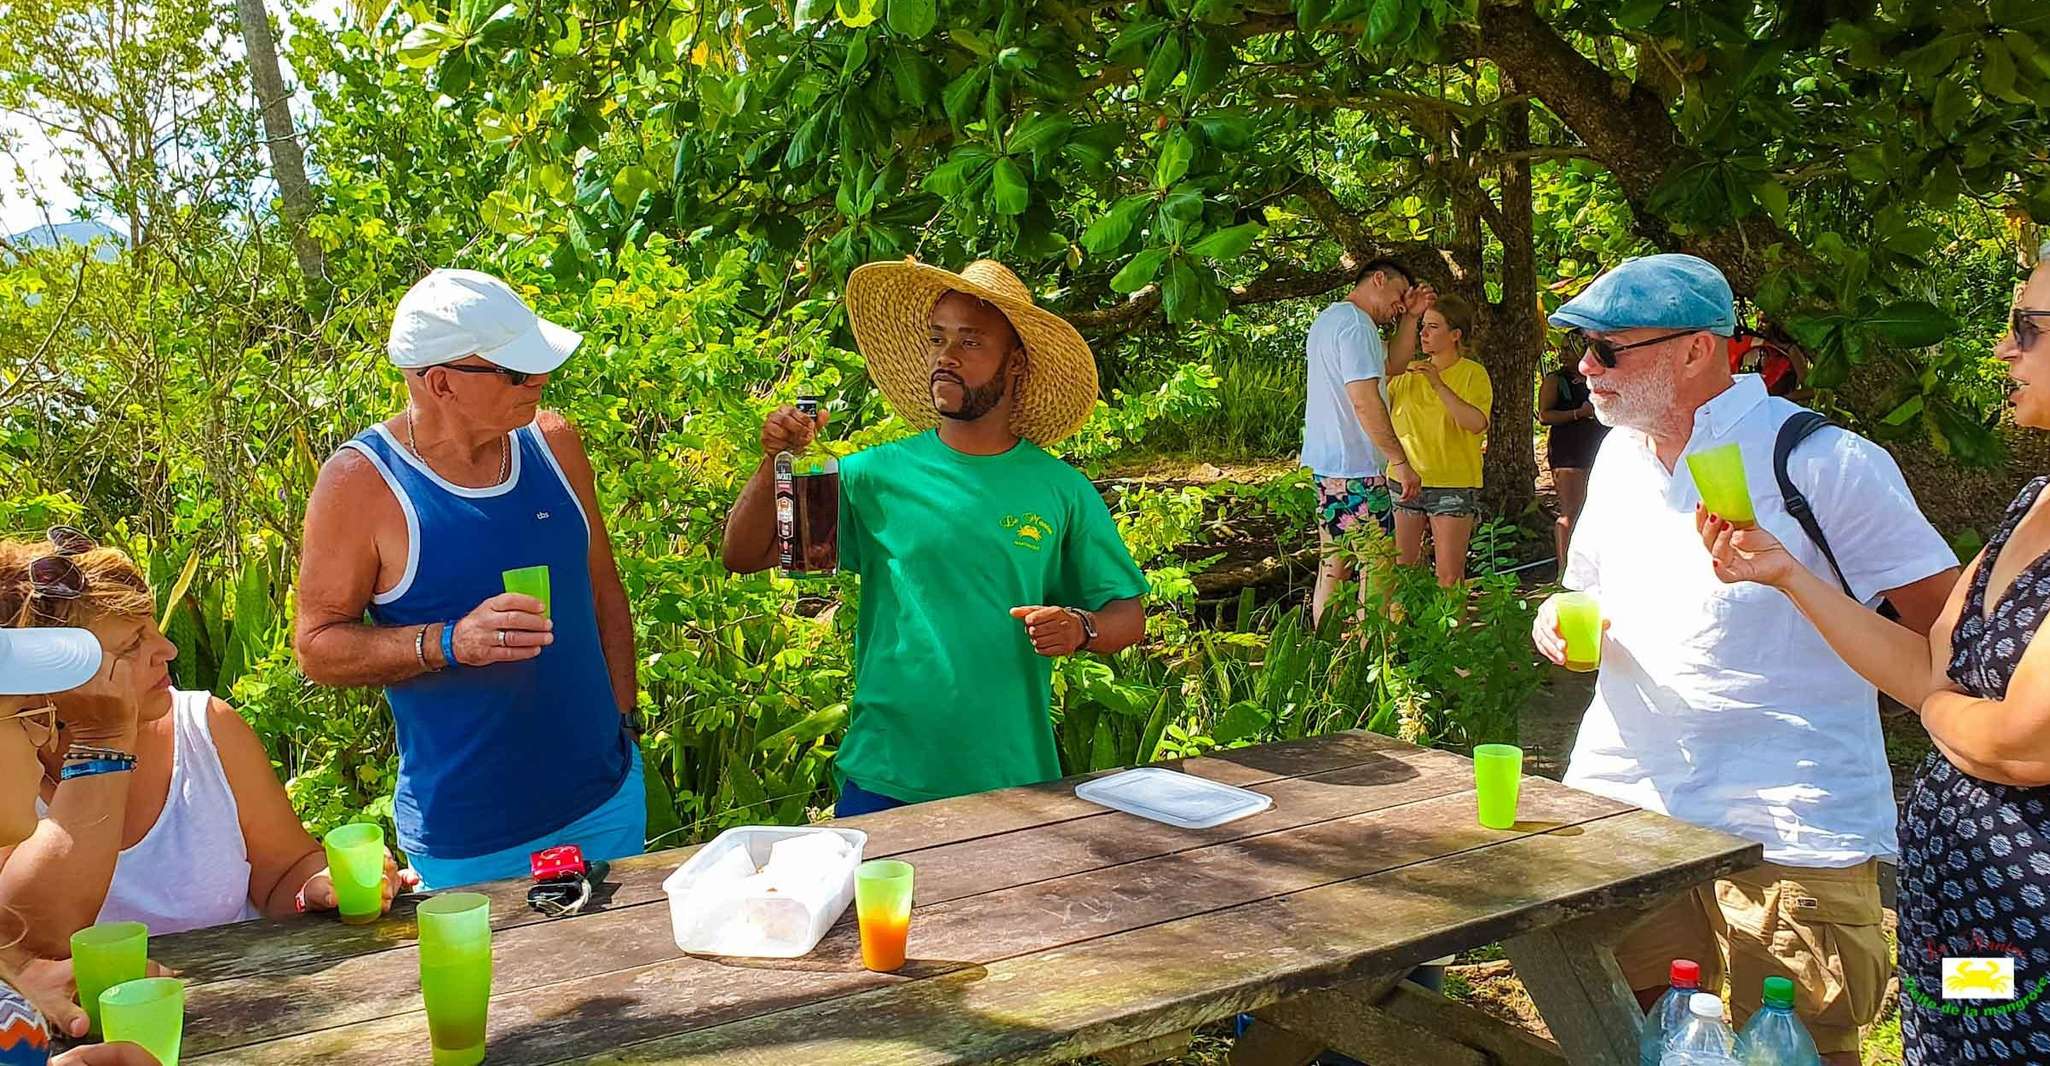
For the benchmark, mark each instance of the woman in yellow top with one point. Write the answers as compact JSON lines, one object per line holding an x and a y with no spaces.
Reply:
{"x":1440,"y":405}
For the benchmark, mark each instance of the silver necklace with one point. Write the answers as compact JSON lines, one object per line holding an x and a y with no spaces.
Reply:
{"x":504,"y":460}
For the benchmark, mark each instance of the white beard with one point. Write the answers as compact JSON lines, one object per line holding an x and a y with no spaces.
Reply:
{"x":1643,"y":401}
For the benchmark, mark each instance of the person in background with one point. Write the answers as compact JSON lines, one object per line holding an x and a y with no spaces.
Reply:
{"x":1975,"y":834}
{"x":982,"y":557}
{"x":1349,"y":441}
{"x":1572,"y":438}
{"x":35,"y":992}
{"x":182,"y":824}
{"x":1440,"y":405}
{"x":1721,"y":705}
{"x":1774,"y":357}
{"x":515,"y":728}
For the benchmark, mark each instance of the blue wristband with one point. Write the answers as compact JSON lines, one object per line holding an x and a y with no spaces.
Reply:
{"x":95,"y":767}
{"x":448,"y":645}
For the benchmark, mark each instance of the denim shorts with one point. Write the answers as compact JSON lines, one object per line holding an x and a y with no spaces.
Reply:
{"x":1444,"y":503}
{"x":613,"y":831}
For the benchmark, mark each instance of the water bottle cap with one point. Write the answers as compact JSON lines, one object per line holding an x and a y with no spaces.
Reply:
{"x":1706,"y":1005}
{"x":1779,"y":992}
{"x":1686,"y":973}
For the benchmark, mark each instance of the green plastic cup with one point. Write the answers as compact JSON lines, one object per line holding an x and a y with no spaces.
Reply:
{"x":106,"y":955}
{"x":1580,"y":622}
{"x":1497,"y":778}
{"x":531,"y":581}
{"x":1719,"y":475}
{"x":149,"y":1013}
{"x":355,"y":862}
{"x":882,"y":902}
{"x":455,"y":975}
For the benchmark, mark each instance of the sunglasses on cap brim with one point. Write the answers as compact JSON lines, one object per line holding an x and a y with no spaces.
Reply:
{"x":1605,"y":352}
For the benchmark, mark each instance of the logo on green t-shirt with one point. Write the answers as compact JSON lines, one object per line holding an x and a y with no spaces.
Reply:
{"x":1031,"y":530}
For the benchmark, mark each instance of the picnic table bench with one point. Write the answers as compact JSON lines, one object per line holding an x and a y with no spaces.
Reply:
{"x":1047,"y":929}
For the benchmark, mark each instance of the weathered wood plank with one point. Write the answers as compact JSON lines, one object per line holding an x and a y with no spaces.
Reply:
{"x":310,"y":945}
{"x":1266,"y":1044}
{"x":1057,"y":1005}
{"x":227,"y":1014}
{"x":1573,"y":978}
{"x":1508,"y":1045}
{"x":1148,"y":1052}
{"x":534,"y":1026}
{"x":1345,"y":1020}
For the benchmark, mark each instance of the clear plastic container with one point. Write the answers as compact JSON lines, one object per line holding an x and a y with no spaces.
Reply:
{"x":1669,"y":1012}
{"x":1775,"y":1036}
{"x":1177,"y":799}
{"x":743,"y":895}
{"x":1703,"y":1039}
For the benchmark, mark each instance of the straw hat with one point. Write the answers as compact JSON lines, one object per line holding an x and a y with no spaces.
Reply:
{"x":890,"y":305}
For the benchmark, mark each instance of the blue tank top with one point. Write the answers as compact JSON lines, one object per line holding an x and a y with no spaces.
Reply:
{"x":499,"y":755}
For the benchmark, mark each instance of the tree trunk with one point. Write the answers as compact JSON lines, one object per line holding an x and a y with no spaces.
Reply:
{"x":1513,"y":339}
{"x":288,"y":163}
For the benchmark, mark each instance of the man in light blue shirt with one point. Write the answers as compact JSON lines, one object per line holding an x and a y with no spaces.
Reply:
{"x":1348,"y":439}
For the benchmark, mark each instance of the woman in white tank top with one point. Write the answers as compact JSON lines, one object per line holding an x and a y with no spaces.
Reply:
{"x":199,"y":833}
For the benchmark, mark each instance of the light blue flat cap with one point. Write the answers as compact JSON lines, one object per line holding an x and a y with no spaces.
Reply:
{"x":1654,"y":292}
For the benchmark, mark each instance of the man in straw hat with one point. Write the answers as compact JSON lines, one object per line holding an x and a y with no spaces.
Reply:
{"x":510,"y":712}
{"x":982,"y":557}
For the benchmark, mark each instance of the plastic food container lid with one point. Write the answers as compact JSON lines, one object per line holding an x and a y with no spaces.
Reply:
{"x":1177,"y":799}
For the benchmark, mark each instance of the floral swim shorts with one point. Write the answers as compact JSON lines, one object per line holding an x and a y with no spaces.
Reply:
{"x":1344,"y":502}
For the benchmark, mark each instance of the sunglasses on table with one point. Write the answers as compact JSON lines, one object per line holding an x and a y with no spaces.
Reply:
{"x":2026,"y":327}
{"x":54,"y":576}
{"x":1606,"y":352}
{"x":39,"y":723}
{"x":515,"y":377}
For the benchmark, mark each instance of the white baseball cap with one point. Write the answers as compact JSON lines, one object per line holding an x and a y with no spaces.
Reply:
{"x":35,"y":662}
{"x":451,"y":314}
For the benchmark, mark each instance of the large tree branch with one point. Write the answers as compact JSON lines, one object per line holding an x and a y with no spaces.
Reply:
{"x":1627,"y":128}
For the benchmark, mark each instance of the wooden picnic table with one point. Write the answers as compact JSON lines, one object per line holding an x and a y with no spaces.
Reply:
{"x":1046,"y":929}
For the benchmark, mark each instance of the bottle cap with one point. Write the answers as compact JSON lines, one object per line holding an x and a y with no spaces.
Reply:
{"x":1779,"y":992}
{"x":1686,"y":973}
{"x":1705,"y":1005}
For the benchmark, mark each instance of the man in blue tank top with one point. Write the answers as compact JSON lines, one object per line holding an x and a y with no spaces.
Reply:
{"x":512,"y":716}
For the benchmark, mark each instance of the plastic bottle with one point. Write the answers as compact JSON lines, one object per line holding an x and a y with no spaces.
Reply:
{"x":1703,"y":1039}
{"x":1775,"y":1036}
{"x":1667,"y":1014}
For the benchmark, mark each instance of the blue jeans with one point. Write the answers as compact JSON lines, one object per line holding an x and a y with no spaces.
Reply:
{"x":855,"y":800}
{"x":613,"y":831}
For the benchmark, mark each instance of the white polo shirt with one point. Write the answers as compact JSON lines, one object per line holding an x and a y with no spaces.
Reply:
{"x":1720,"y":704}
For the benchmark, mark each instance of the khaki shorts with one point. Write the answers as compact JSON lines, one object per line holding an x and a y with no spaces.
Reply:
{"x":1819,"y":927}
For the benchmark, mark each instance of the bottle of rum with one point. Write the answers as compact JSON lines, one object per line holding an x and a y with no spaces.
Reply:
{"x":808,"y":506}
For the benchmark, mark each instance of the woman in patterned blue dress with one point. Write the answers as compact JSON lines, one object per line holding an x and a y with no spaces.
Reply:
{"x":1975,"y":828}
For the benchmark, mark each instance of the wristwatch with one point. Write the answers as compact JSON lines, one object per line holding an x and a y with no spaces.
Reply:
{"x":1088,"y":626}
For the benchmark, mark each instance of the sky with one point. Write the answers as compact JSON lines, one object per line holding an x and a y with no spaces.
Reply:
{"x":36,"y":155}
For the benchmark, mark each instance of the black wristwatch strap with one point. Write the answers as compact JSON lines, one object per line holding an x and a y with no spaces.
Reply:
{"x":1088,"y":626}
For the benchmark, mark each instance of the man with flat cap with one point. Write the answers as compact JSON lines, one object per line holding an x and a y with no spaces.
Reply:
{"x":1720,"y":704}
{"x":510,"y":713}
{"x":982,"y":557}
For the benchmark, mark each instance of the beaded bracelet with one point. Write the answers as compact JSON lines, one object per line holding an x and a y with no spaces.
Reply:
{"x":87,"y":752}
{"x":94,"y":768}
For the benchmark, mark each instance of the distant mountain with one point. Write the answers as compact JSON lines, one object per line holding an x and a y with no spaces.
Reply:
{"x":72,"y":233}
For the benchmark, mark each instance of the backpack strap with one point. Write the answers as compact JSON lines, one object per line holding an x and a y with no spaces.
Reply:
{"x":1793,"y":431}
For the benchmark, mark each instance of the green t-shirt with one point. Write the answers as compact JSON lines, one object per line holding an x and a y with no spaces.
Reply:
{"x":949,"y":697}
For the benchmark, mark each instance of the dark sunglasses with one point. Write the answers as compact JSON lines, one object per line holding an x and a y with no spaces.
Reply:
{"x":39,"y":723}
{"x":1605,"y":353}
{"x":54,"y":576}
{"x":516,"y":377}
{"x":2022,"y":324}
